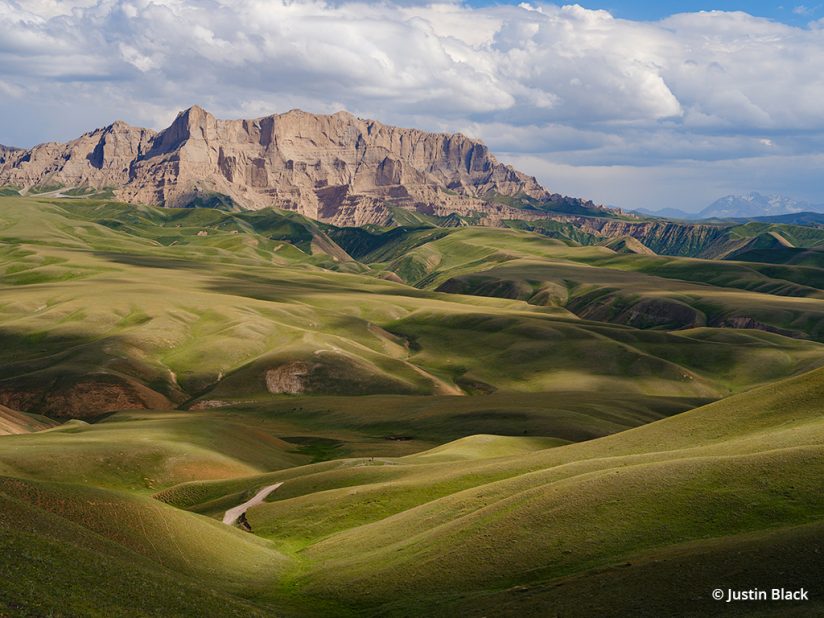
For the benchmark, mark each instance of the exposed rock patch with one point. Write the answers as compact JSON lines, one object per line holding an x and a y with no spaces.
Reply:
{"x":606,"y":306}
{"x":748,"y":322}
{"x":14,"y":422}
{"x":86,"y":397}
{"x":209,"y":404}
{"x":289,"y":379}
{"x":662,"y":237}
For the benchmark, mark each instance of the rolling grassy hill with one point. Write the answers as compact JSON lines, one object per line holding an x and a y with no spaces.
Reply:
{"x":466,"y":421}
{"x":140,"y":557}
{"x":484,"y":525}
{"x":640,"y":290}
{"x":108,"y":307}
{"x":421,"y":535}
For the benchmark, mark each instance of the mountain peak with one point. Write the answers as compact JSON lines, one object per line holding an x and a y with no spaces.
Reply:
{"x":336,"y":168}
{"x":194,"y":116}
{"x":195,"y":111}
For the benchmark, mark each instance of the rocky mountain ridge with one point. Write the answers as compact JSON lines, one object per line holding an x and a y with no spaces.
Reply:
{"x":339,"y":169}
{"x":7,"y":152}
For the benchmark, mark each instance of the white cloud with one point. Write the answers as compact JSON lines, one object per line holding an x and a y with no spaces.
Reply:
{"x":10,"y":90}
{"x":806,"y":11}
{"x":565,"y":84}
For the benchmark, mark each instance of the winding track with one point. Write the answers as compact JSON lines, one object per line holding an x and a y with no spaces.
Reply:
{"x":233,"y":514}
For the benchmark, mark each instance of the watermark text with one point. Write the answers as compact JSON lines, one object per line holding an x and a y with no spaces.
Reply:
{"x":728,"y":595}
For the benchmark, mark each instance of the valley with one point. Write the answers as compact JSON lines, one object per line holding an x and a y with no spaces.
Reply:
{"x":411,"y":309}
{"x":457,"y":418}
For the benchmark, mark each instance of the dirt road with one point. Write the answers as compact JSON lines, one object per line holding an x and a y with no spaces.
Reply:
{"x":233,"y":514}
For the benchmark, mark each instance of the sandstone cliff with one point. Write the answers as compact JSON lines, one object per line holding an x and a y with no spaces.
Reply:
{"x":7,"y":152}
{"x":99,"y":159}
{"x":339,"y":168}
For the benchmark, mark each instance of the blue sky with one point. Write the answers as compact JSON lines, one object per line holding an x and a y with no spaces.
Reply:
{"x":796,"y":13}
{"x":618,"y":108}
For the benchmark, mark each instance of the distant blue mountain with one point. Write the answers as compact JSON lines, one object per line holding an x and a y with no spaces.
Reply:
{"x":756,"y":205}
{"x":750,"y":206}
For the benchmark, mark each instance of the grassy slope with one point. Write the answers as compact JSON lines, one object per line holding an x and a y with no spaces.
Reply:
{"x":526,"y":523}
{"x":103,"y":303}
{"x":140,"y":557}
{"x":596,"y":283}
{"x":675,"y":581}
{"x":730,"y":468}
{"x":488,"y":524}
{"x":504,"y":529}
{"x":93,"y":533}
{"x":148,"y":451}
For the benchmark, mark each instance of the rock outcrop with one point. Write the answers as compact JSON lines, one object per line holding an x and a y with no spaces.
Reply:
{"x":338,"y":169}
{"x":7,"y":153}
{"x":86,"y":396}
{"x":13,"y":422}
{"x":102,"y":158}
{"x":662,"y":237}
{"x":628,"y":244}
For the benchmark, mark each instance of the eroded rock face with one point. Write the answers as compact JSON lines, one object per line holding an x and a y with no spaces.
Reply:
{"x":89,"y":396}
{"x":7,"y":153}
{"x":752,"y":323}
{"x":288,"y":379}
{"x":99,"y":159}
{"x":663,"y":237}
{"x":13,"y":422}
{"x":330,"y":372}
{"x":339,"y":168}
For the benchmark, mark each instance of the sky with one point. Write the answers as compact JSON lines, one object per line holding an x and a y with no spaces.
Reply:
{"x":790,"y":12}
{"x":631,"y":104}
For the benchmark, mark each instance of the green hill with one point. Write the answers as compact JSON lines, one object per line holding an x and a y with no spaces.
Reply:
{"x":465,"y":421}
{"x":716,"y":486}
{"x":116,"y":307}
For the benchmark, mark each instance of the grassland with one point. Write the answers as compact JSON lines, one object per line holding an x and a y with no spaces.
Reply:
{"x":421,"y":535}
{"x":106,"y":306}
{"x":483,"y":525}
{"x":466,"y":421}
{"x":644,"y":291}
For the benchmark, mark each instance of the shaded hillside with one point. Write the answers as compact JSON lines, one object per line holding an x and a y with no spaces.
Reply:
{"x":597,"y":283}
{"x":709,"y":240}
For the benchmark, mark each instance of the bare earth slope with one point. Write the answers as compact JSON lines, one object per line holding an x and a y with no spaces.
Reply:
{"x":14,"y":422}
{"x":337,"y":168}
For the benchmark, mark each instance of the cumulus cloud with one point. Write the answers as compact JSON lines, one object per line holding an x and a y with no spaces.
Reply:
{"x":565,"y":84}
